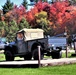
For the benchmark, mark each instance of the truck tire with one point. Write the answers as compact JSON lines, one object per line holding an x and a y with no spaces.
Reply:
{"x":60,"y":54}
{"x":56,"y":55}
{"x":9,"y":56}
{"x":36,"y":56}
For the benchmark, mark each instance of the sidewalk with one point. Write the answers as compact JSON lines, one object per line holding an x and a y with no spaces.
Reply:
{"x":48,"y":62}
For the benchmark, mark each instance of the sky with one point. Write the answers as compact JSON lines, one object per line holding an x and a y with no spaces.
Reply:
{"x":17,"y":2}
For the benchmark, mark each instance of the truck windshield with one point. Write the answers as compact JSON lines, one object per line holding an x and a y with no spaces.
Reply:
{"x":2,"y":40}
{"x":20,"y":36}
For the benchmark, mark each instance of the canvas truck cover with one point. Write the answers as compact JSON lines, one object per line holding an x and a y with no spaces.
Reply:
{"x":31,"y":34}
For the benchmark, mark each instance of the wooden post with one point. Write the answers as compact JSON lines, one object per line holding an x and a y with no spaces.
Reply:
{"x":66,"y":41}
{"x":75,"y":46}
{"x":66,"y":52}
{"x":66,"y":47}
{"x":39,"y":54}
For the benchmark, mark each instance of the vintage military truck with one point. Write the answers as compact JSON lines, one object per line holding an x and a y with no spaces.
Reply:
{"x":26,"y":45}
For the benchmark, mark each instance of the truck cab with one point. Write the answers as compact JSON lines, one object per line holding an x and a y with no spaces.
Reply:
{"x":26,"y":45}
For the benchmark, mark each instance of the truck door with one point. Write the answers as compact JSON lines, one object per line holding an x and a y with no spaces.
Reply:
{"x":21,"y":44}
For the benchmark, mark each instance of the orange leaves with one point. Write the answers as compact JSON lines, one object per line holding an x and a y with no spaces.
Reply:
{"x":39,"y":6}
{"x":53,"y":11}
{"x":34,"y":10}
{"x":58,"y":13}
{"x":17,"y":13}
{"x":29,"y":16}
{"x":2,"y":18}
{"x":58,"y":10}
{"x":68,"y":16}
{"x":21,"y":10}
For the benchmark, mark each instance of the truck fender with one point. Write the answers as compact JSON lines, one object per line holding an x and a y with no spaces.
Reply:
{"x":35,"y":45}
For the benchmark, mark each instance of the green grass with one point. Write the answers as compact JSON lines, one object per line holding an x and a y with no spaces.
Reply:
{"x":54,"y":70}
{"x":51,"y":70}
{"x":64,"y":55}
{"x":2,"y":56}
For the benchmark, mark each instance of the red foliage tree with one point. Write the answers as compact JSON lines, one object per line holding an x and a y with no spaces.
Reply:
{"x":39,"y":6}
{"x":60,"y":14}
{"x":29,"y":16}
{"x":70,"y":18}
{"x":17,"y":13}
{"x":2,"y":18}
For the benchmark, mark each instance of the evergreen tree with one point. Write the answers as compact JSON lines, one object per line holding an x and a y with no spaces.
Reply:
{"x":7,"y":6}
{"x":24,"y":24}
{"x":12,"y":30}
{"x":25,"y":4}
{"x":3,"y":29}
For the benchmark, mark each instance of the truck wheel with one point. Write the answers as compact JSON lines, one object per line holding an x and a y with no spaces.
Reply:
{"x":60,"y":54}
{"x":9,"y":56}
{"x":36,"y":56}
{"x":56,"y":55}
{"x":28,"y":56}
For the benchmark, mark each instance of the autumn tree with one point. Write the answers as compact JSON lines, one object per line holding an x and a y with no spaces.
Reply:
{"x":42,"y":21}
{"x":59,"y":15}
{"x":17,"y":13}
{"x":39,"y":6}
{"x":7,"y":6}
{"x":63,"y":15}
{"x":7,"y":17}
{"x":69,"y":21}
{"x":30,"y":16}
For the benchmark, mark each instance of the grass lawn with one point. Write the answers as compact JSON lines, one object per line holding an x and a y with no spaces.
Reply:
{"x":54,"y":70}
{"x":51,"y":70}
{"x":2,"y":56}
